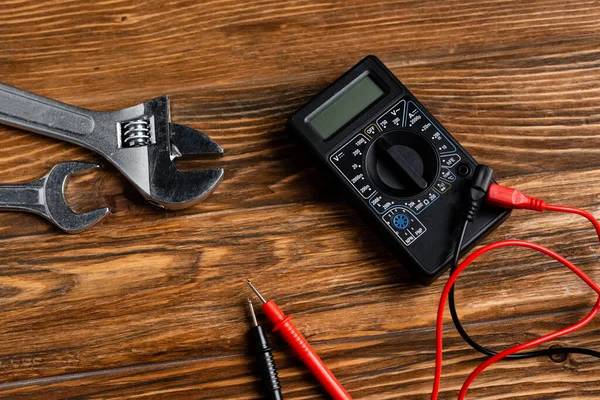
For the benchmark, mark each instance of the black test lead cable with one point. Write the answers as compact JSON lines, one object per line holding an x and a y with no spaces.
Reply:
{"x":478,"y":189}
{"x":259,"y":346}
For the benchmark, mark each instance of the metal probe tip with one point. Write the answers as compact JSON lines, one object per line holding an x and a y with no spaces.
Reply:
{"x":256,"y":291}
{"x":252,"y":314}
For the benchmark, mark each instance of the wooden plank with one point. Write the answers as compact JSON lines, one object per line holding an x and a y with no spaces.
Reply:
{"x":150,"y":303}
{"x":117,"y":291}
{"x":108,"y":44}
{"x":379,"y":366}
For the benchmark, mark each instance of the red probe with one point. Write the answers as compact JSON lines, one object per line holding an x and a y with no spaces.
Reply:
{"x":301,"y":347}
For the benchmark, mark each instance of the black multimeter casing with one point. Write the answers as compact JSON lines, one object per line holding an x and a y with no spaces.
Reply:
{"x":421,"y":228}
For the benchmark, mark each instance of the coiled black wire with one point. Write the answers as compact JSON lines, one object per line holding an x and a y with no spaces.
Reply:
{"x":517,"y":356}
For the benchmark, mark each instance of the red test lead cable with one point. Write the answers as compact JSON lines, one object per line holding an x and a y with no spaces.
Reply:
{"x":511,"y":198}
{"x":302,"y":348}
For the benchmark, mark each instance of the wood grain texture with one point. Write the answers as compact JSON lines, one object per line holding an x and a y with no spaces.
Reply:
{"x":150,"y":303}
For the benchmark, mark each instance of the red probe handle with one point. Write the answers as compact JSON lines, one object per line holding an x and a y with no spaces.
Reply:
{"x":302,"y":348}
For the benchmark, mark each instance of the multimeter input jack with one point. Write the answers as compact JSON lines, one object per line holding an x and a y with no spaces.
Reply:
{"x":464,"y":170}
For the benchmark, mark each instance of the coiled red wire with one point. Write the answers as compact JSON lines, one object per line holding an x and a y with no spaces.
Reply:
{"x":532,"y":343}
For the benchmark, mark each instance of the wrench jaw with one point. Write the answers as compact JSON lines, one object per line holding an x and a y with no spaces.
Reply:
{"x":184,"y":189}
{"x":189,"y":143}
{"x":57,"y":210}
{"x":152,"y":170}
{"x":176,"y":190}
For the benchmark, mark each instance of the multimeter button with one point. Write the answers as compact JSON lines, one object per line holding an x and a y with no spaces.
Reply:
{"x":400,"y":221}
{"x":450,"y":160}
{"x":442,"y":186}
{"x":448,"y":175}
{"x":404,"y":224}
{"x":403,"y":234}
{"x":394,"y":117}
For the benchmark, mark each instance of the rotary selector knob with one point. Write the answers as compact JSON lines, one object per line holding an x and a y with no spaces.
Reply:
{"x":402,"y":163}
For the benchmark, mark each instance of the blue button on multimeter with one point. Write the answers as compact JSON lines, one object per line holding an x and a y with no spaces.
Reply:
{"x":400,"y":221}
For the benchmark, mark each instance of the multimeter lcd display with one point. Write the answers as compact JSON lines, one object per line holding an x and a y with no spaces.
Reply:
{"x":345,"y":106}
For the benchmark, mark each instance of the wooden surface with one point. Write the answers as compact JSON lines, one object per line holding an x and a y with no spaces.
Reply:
{"x":150,"y":303}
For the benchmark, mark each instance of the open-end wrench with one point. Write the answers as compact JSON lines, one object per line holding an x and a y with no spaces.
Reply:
{"x":140,"y":141}
{"x":46,"y":197}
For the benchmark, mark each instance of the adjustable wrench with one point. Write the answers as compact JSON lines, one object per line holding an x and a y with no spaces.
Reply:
{"x":46,"y":197}
{"x":139,"y":141}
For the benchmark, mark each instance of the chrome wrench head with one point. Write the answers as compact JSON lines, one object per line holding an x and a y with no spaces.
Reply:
{"x":140,"y":141}
{"x":148,"y":163}
{"x":57,"y":208}
{"x":46,"y":197}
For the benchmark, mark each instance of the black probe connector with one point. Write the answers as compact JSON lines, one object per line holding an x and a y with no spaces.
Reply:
{"x":259,"y":346}
{"x":478,"y":188}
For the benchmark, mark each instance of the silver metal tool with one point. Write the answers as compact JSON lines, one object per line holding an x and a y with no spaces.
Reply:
{"x":46,"y":197}
{"x":139,"y":141}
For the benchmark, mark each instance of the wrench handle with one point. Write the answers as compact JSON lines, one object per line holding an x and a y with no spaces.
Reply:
{"x":39,"y":114}
{"x":28,"y":196}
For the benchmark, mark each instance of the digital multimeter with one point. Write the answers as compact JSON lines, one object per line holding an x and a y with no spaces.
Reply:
{"x":404,"y":173}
